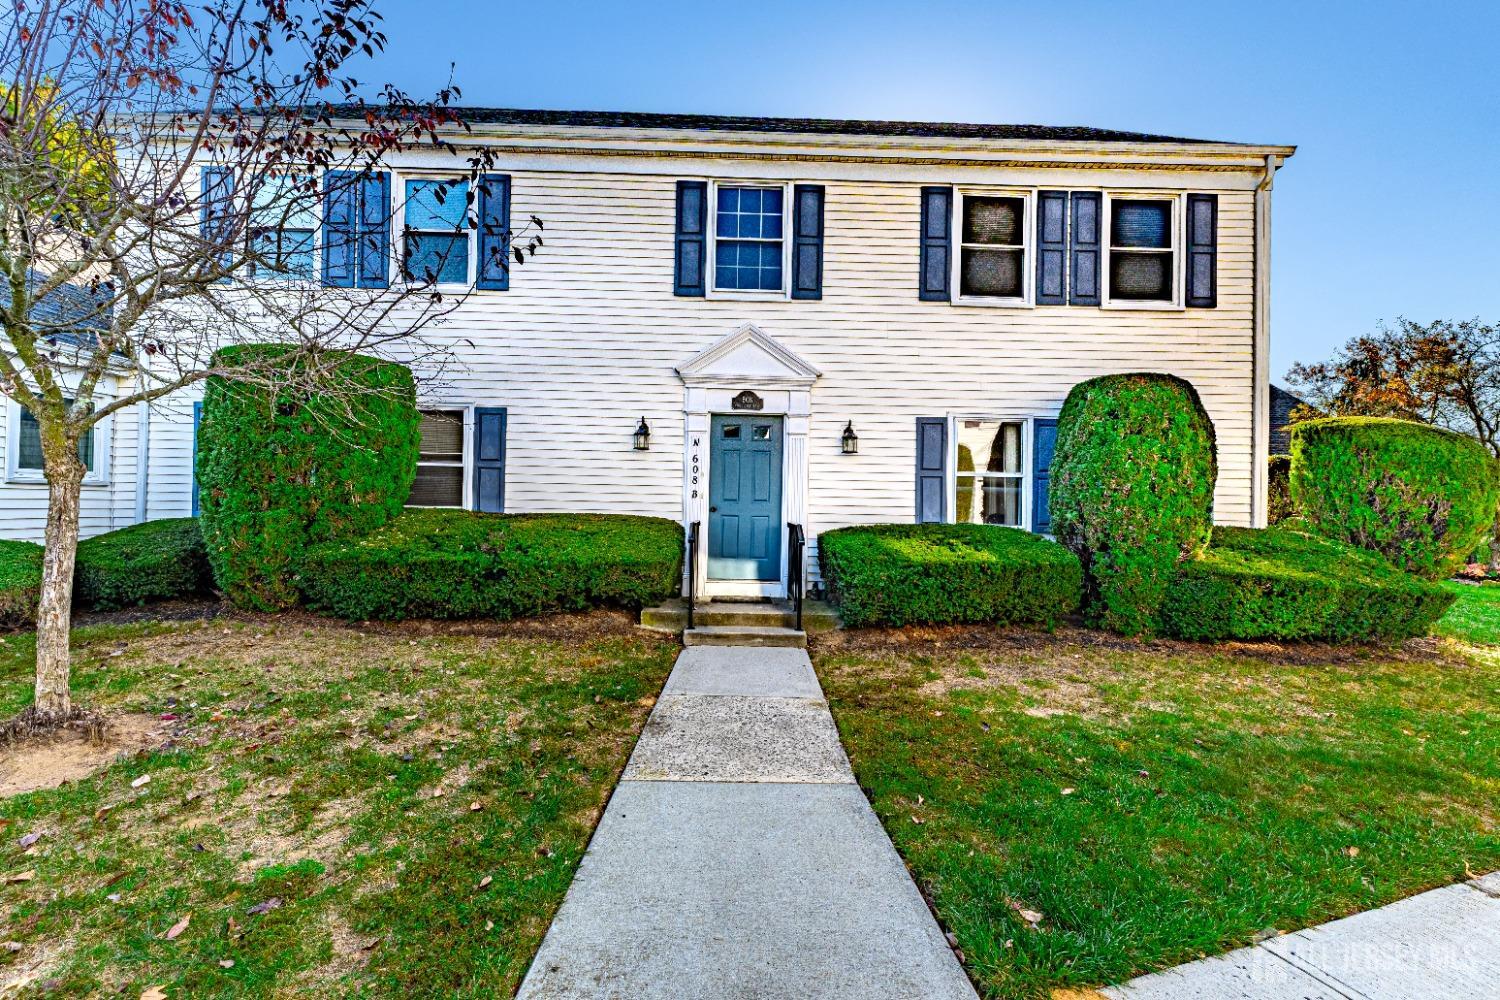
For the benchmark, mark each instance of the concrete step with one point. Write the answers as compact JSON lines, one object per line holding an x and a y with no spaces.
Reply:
{"x":671,"y":616}
{"x":744,"y":635}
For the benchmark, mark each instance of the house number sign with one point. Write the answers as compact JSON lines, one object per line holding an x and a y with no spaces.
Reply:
{"x":696,"y":465}
{"x":748,"y":400}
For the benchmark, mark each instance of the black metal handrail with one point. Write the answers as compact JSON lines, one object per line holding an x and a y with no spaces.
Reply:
{"x":692,"y":568}
{"x":796,"y":546}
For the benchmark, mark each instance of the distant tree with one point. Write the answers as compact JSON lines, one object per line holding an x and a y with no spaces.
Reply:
{"x":1445,"y":373}
{"x":111,"y":111}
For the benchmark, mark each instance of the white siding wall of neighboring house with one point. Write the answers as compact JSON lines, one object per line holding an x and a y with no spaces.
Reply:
{"x":585,"y":342}
{"x":103,"y":506}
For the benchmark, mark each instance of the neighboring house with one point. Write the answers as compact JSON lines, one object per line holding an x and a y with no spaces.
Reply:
{"x":1282,"y":404}
{"x":815,"y":320}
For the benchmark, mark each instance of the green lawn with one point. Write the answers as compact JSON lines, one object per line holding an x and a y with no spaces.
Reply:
{"x":413,"y":801}
{"x":1476,"y":615}
{"x":1157,"y":802}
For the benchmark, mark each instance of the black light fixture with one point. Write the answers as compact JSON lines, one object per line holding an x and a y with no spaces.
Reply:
{"x":643,"y":436}
{"x":850,"y":440}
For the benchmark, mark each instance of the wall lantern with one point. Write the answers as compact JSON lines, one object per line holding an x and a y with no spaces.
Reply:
{"x":850,"y":440}
{"x":643,"y":436}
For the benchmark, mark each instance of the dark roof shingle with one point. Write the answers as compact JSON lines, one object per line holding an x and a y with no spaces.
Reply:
{"x":793,"y":126}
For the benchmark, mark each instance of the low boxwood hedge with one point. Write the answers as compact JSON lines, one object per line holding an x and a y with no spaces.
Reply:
{"x":154,"y":561}
{"x":458,"y":564}
{"x":905,"y":574}
{"x":1278,"y":583}
{"x":20,"y":583}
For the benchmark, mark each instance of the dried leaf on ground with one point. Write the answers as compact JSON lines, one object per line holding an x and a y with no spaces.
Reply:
{"x":176,"y":929}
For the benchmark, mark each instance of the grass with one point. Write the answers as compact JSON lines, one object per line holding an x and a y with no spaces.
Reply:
{"x":331,"y":769}
{"x":1158,"y":802}
{"x":1476,"y":615}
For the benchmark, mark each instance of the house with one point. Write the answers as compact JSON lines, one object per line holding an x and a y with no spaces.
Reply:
{"x":750,"y":323}
{"x":1283,"y":402}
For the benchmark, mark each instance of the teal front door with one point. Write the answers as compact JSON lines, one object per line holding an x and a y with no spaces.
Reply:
{"x":744,"y":498}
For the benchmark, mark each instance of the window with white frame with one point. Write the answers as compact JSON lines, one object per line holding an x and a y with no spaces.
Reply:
{"x":283,"y":226}
{"x":989,"y":472}
{"x":749,"y":247}
{"x":440,"y":460}
{"x":438,"y":231}
{"x":1142,"y":264}
{"x":992,"y":247}
{"x":26,"y":461}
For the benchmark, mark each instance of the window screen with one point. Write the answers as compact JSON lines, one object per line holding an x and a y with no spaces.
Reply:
{"x":440,"y":460}
{"x":1141,"y":252}
{"x":992,"y":256}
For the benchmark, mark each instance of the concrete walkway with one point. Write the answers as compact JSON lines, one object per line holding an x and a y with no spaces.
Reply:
{"x":738,"y":859}
{"x":1443,"y":943}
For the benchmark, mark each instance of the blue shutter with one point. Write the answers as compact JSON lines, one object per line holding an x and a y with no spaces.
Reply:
{"x":340,"y":230}
{"x":1202,"y":251}
{"x":489,"y":459}
{"x":807,"y":242}
{"x":937,"y":244}
{"x":494,"y":232}
{"x":197,"y":418}
{"x":1044,"y":442}
{"x":375,"y":230}
{"x":1051,"y":248}
{"x":1086,"y":248}
{"x":692,"y":238}
{"x":932,"y":464}
{"x":218,"y":207}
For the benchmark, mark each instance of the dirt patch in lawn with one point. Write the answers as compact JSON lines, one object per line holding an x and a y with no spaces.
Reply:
{"x":47,"y":762}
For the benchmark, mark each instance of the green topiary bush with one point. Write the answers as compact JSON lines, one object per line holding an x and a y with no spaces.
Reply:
{"x":1422,"y":497}
{"x":1282,"y":584}
{"x":458,"y":564}
{"x":905,"y":574}
{"x":1279,"y":505}
{"x":279,"y":471}
{"x":20,"y":583}
{"x":154,"y":561}
{"x":1132,"y":490}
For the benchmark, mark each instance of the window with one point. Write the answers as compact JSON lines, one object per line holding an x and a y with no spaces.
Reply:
{"x":992,"y":247}
{"x":284,"y":219}
{"x":989,"y":472}
{"x":438,"y":231}
{"x":440,"y":460}
{"x":25,"y":451}
{"x":748,"y":245}
{"x":1142,"y":265}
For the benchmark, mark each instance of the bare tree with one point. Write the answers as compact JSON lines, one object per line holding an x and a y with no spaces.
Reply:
{"x":162,"y":168}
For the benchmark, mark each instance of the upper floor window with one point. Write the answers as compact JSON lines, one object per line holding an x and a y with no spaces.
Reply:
{"x":992,"y":247}
{"x":1142,"y":250}
{"x":748,"y":239}
{"x":284,"y":223}
{"x":438,"y":231}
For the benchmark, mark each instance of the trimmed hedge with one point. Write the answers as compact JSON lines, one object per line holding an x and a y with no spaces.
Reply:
{"x":1277,"y":583}
{"x":905,"y":574}
{"x":1279,"y":506}
{"x":1422,"y":497}
{"x":280,"y":471}
{"x":153,"y":561}
{"x":458,"y":564}
{"x":1132,"y":490}
{"x":20,"y":583}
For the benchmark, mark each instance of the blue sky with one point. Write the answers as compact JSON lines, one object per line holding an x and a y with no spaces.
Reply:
{"x":1390,"y":208}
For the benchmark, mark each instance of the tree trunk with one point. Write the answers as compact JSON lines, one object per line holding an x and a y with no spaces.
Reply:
{"x":54,"y":617}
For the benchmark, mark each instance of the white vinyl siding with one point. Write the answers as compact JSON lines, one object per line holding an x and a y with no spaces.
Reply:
{"x":587,"y":339}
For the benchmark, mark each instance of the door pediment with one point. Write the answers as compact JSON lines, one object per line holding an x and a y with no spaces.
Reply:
{"x":748,"y":355}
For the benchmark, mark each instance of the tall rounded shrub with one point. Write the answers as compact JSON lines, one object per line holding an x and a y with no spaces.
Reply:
{"x":1132,"y":490}
{"x":326,"y":450}
{"x":1422,"y":497}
